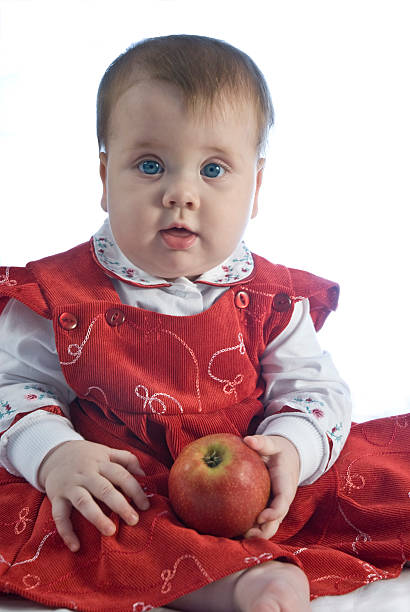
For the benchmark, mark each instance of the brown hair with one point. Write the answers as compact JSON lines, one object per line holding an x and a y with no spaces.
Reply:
{"x":206,"y":70}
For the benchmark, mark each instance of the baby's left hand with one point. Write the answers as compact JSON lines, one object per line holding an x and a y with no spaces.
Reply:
{"x":282,"y":460}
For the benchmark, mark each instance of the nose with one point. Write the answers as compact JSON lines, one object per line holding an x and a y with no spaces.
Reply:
{"x":180,"y":194}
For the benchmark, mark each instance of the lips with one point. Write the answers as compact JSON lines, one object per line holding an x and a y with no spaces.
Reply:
{"x":178,"y":238}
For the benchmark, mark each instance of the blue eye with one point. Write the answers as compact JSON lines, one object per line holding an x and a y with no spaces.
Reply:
{"x":150,"y":166}
{"x":212,"y":170}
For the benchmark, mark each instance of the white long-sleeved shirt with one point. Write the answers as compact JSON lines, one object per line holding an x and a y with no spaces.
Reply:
{"x":297,"y":372}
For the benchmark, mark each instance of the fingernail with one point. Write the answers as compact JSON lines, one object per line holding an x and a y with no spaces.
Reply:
{"x":134,"y":518}
{"x":145,"y":504}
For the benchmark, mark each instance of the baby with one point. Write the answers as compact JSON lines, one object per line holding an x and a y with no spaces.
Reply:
{"x":164,"y":328}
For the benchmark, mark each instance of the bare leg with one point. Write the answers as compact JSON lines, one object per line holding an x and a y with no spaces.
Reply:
{"x":270,"y":587}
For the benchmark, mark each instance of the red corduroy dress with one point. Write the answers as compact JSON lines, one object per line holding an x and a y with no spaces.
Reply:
{"x":151,"y":383}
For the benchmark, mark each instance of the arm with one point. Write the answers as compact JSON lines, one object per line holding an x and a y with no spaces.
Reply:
{"x":307,"y":415}
{"x":305,"y":399}
{"x":34,"y":396}
{"x":39,"y":442}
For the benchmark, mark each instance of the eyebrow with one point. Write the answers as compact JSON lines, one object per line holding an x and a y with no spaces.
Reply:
{"x":219,"y":150}
{"x":147,"y":144}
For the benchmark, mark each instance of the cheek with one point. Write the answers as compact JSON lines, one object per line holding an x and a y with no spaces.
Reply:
{"x":122,"y":184}
{"x":229,"y":229}
{"x":237,"y":212}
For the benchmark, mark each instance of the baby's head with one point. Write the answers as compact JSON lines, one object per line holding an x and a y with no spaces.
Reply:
{"x":182,"y":125}
{"x":207,"y":71}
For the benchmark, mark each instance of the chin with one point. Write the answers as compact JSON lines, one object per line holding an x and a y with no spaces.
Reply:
{"x":177,"y":266}
{"x":190,"y":276}
{"x":170,"y":274}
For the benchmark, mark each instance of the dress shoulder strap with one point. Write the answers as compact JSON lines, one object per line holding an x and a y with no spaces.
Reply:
{"x":57,"y":281}
{"x":72,"y":277}
{"x":20,"y":284}
{"x":323,"y":294}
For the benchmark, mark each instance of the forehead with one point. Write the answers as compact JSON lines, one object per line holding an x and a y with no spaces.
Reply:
{"x":149,"y":108}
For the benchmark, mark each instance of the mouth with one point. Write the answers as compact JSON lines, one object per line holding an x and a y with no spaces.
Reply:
{"x":178,"y":237}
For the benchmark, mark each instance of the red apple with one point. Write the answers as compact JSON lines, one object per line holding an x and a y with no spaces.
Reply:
{"x":218,"y":485}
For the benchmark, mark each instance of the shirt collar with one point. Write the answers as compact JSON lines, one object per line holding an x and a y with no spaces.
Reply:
{"x":107,"y":254}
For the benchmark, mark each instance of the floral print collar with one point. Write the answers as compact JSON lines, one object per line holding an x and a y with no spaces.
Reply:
{"x":235,"y":269}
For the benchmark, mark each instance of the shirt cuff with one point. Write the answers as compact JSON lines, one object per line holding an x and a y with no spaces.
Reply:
{"x":305,"y":437}
{"x":25,"y":444}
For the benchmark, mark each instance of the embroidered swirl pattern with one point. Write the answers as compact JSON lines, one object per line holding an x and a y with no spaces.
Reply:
{"x":5,"y":279}
{"x":77,"y":349}
{"x":259,"y":558}
{"x":43,"y":541}
{"x":167,"y":575}
{"x":229,"y":385}
{"x":142,"y":392}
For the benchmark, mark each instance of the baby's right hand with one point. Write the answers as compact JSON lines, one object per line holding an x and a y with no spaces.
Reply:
{"x":76,"y":472}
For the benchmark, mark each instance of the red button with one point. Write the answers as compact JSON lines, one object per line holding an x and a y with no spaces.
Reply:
{"x":68,"y":321}
{"x":242,"y":299}
{"x":114,"y":317}
{"x":282,"y":302}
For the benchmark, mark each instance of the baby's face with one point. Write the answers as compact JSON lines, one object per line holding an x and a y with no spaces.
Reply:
{"x":179,"y":190}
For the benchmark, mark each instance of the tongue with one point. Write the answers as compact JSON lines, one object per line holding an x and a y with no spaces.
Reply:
{"x":178,"y":238}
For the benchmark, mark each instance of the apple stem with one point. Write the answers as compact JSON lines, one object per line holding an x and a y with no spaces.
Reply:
{"x":213,"y":458}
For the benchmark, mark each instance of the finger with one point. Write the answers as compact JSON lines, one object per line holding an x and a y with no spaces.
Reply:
{"x":120,"y":477}
{"x":269,"y":529}
{"x":103,"y":489}
{"x":283,"y":488}
{"x":127,"y":460}
{"x":277,"y":510}
{"x":265,"y":531}
{"x":61,"y":510}
{"x":253,"y":532}
{"x":264,"y":445}
{"x":82,"y":501}
{"x":268,"y":514}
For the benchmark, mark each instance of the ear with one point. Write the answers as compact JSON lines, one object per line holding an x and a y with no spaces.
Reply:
{"x":259,"y":176}
{"x":103,"y":175}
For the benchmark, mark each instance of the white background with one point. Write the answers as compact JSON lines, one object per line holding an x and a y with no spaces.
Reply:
{"x":336,"y":189}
